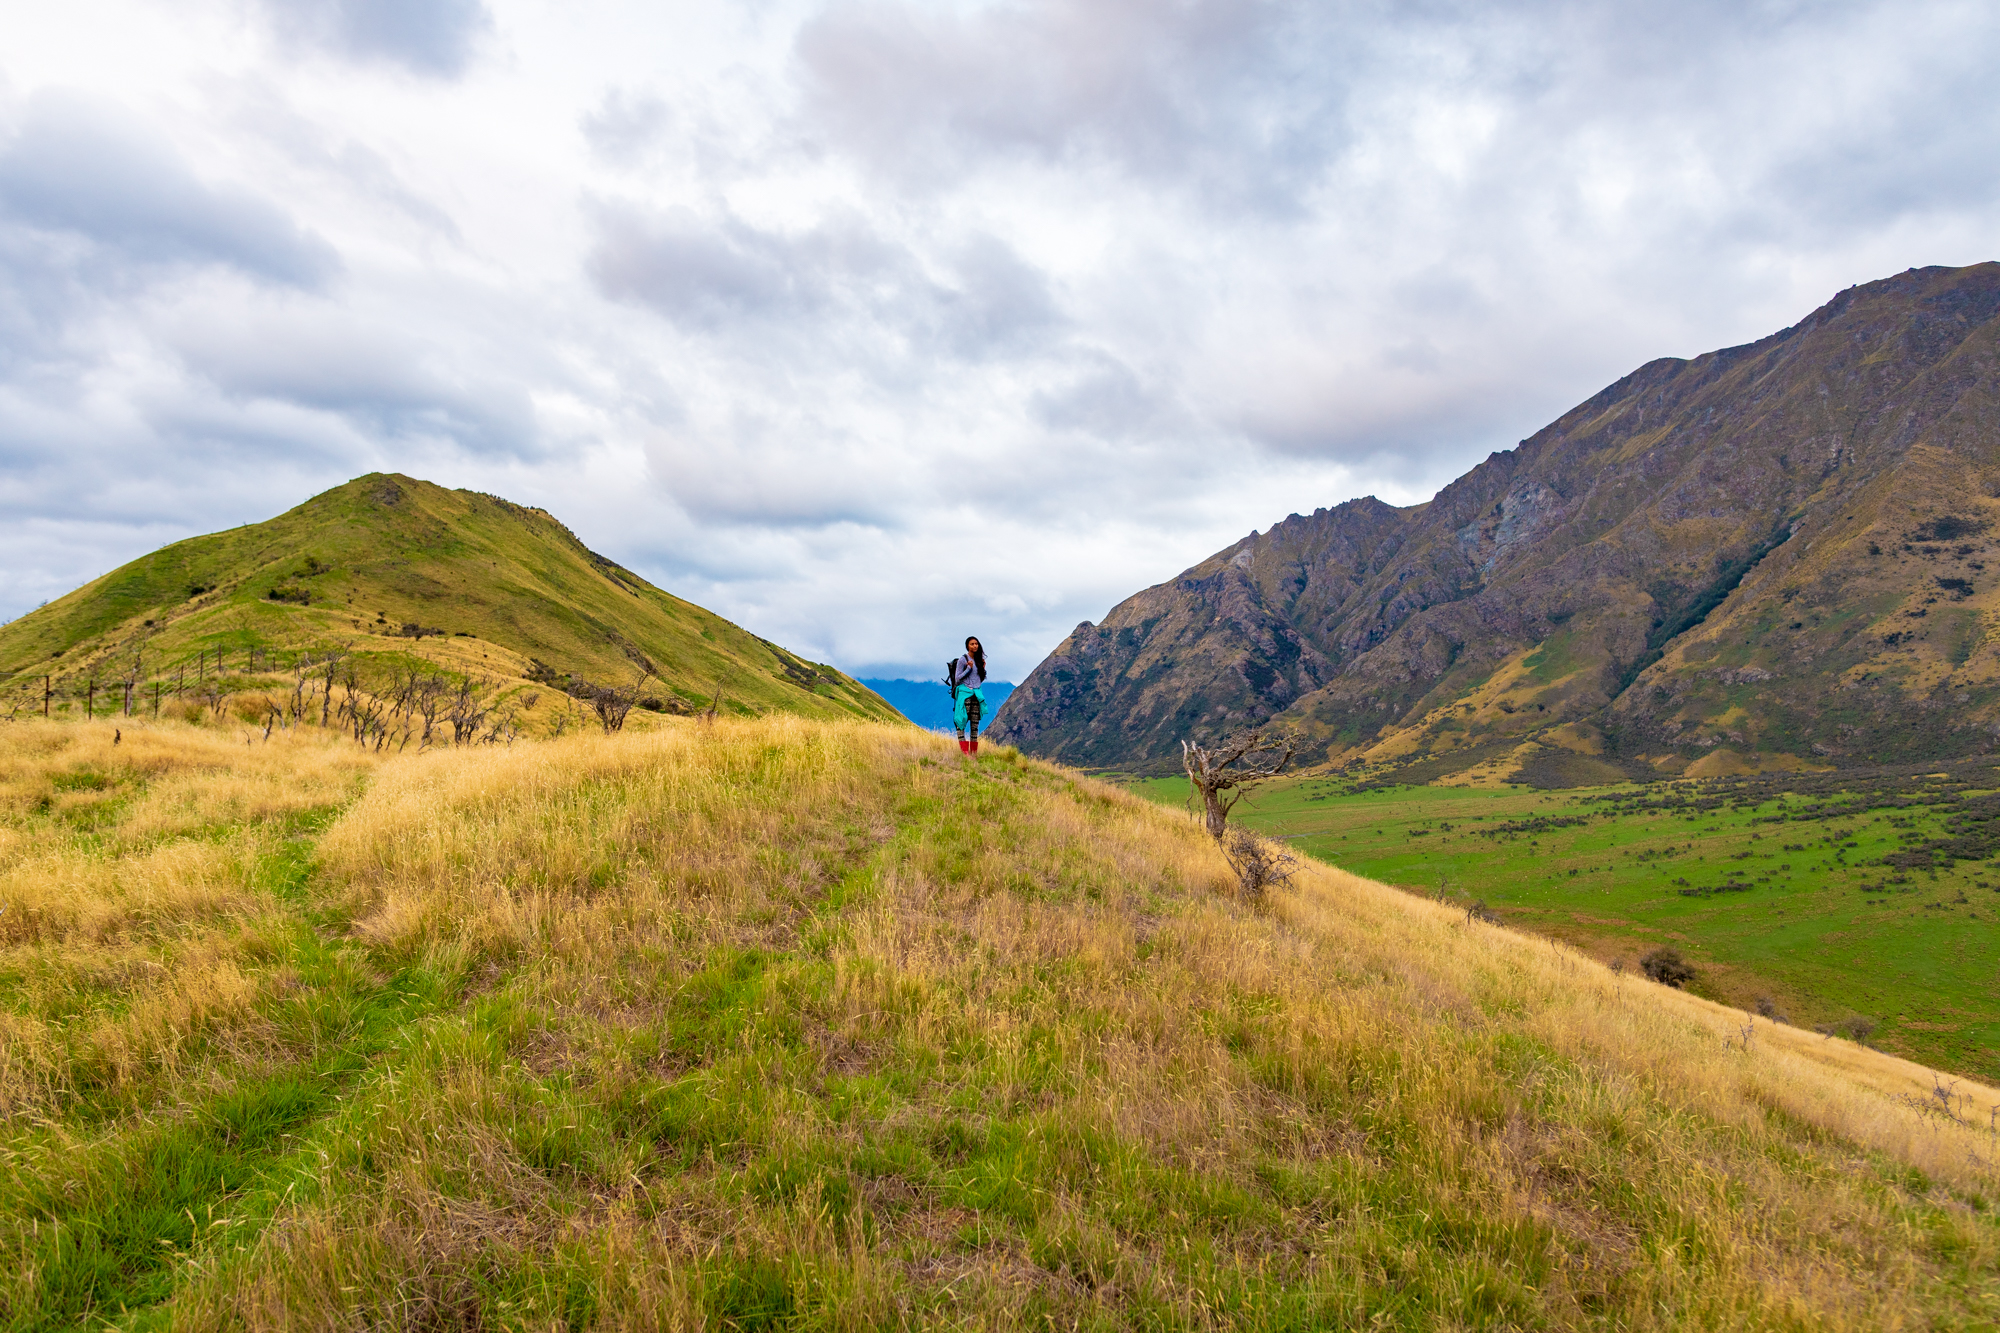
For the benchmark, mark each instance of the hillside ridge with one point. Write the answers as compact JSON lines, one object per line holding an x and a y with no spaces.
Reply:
{"x":391,"y":568}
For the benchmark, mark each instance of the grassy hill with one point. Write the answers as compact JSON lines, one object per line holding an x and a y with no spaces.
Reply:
{"x":391,"y":570}
{"x":793,"y":1024}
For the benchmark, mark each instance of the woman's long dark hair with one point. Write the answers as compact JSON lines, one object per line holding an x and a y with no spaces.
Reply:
{"x":978,"y":651}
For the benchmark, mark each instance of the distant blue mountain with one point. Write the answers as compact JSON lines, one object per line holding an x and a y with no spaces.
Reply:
{"x":926,"y":703}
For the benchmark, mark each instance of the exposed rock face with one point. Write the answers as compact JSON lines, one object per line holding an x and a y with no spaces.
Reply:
{"x":1781,"y":546}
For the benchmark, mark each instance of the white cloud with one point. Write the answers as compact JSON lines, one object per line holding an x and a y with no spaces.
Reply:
{"x":872,"y":324}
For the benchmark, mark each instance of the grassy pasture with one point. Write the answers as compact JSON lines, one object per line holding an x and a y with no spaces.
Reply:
{"x":1774,"y":887}
{"x":803,"y":1025}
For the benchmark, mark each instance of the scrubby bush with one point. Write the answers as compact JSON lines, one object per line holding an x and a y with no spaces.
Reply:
{"x":1666,"y":966}
{"x":1856,"y":1028}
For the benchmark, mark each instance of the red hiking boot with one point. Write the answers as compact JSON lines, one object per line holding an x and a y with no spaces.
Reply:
{"x":964,"y":746}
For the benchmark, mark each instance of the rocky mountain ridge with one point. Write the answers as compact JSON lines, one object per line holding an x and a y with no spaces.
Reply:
{"x":1768,"y":554}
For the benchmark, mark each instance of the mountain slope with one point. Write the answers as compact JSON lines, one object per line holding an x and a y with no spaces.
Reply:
{"x":781,"y":1024}
{"x":503,"y":587}
{"x":1778,"y":548}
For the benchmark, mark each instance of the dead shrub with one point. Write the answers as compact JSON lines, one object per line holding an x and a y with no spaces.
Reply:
{"x":1260,"y":864}
{"x":1666,"y":966}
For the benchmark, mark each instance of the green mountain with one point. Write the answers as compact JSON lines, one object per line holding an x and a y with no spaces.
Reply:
{"x":390,"y":567}
{"x":1770,"y":555}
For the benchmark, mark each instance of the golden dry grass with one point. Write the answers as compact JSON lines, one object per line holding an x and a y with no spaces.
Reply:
{"x":131,"y":917}
{"x":787,"y":1024}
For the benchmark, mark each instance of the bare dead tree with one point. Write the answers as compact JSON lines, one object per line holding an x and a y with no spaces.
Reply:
{"x":330,"y":671}
{"x":611,"y":703}
{"x":1226,"y":773}
{"x":466,"y":712}
{"x":351,"y":699}
{"x":368,"y":715}
{"x":406,"y":694}
{"x":427,"y":694}
{"x":301,"y":668}
{"x":1260,"y":863}
{"x":504,"y":728}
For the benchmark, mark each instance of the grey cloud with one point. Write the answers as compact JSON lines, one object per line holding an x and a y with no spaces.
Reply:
{"x":1288,"y":107}
{"x":828,"y":285}
{"x":702,"y":275}
{"x":385,"y":385}
{"x":429,"y":37}
{"x":261,"y":114}
{"x":1879,"y":167}
{"x":1232,"y":95}
{"x":80,"y":169}
{"x":624,"y":126}
{"x":995,"y":302}
{"x":759,"y":474}
{"x":1401,"y":417}
{"x":1108,"y":399}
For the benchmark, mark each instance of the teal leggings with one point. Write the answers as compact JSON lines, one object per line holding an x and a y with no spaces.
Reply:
{"x":967,"y":707}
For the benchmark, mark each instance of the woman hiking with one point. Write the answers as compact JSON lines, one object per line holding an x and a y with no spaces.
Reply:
{"x":966,"y":679}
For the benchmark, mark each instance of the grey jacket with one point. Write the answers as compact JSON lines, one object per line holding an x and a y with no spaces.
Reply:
{"x":965,"y":675}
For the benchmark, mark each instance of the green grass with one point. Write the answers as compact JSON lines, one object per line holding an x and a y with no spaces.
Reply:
{"x":1822,"y":928}
{"x":117,"y":1197}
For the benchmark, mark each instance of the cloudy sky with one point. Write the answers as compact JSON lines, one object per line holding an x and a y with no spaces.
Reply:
{"x":872,"y":324}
